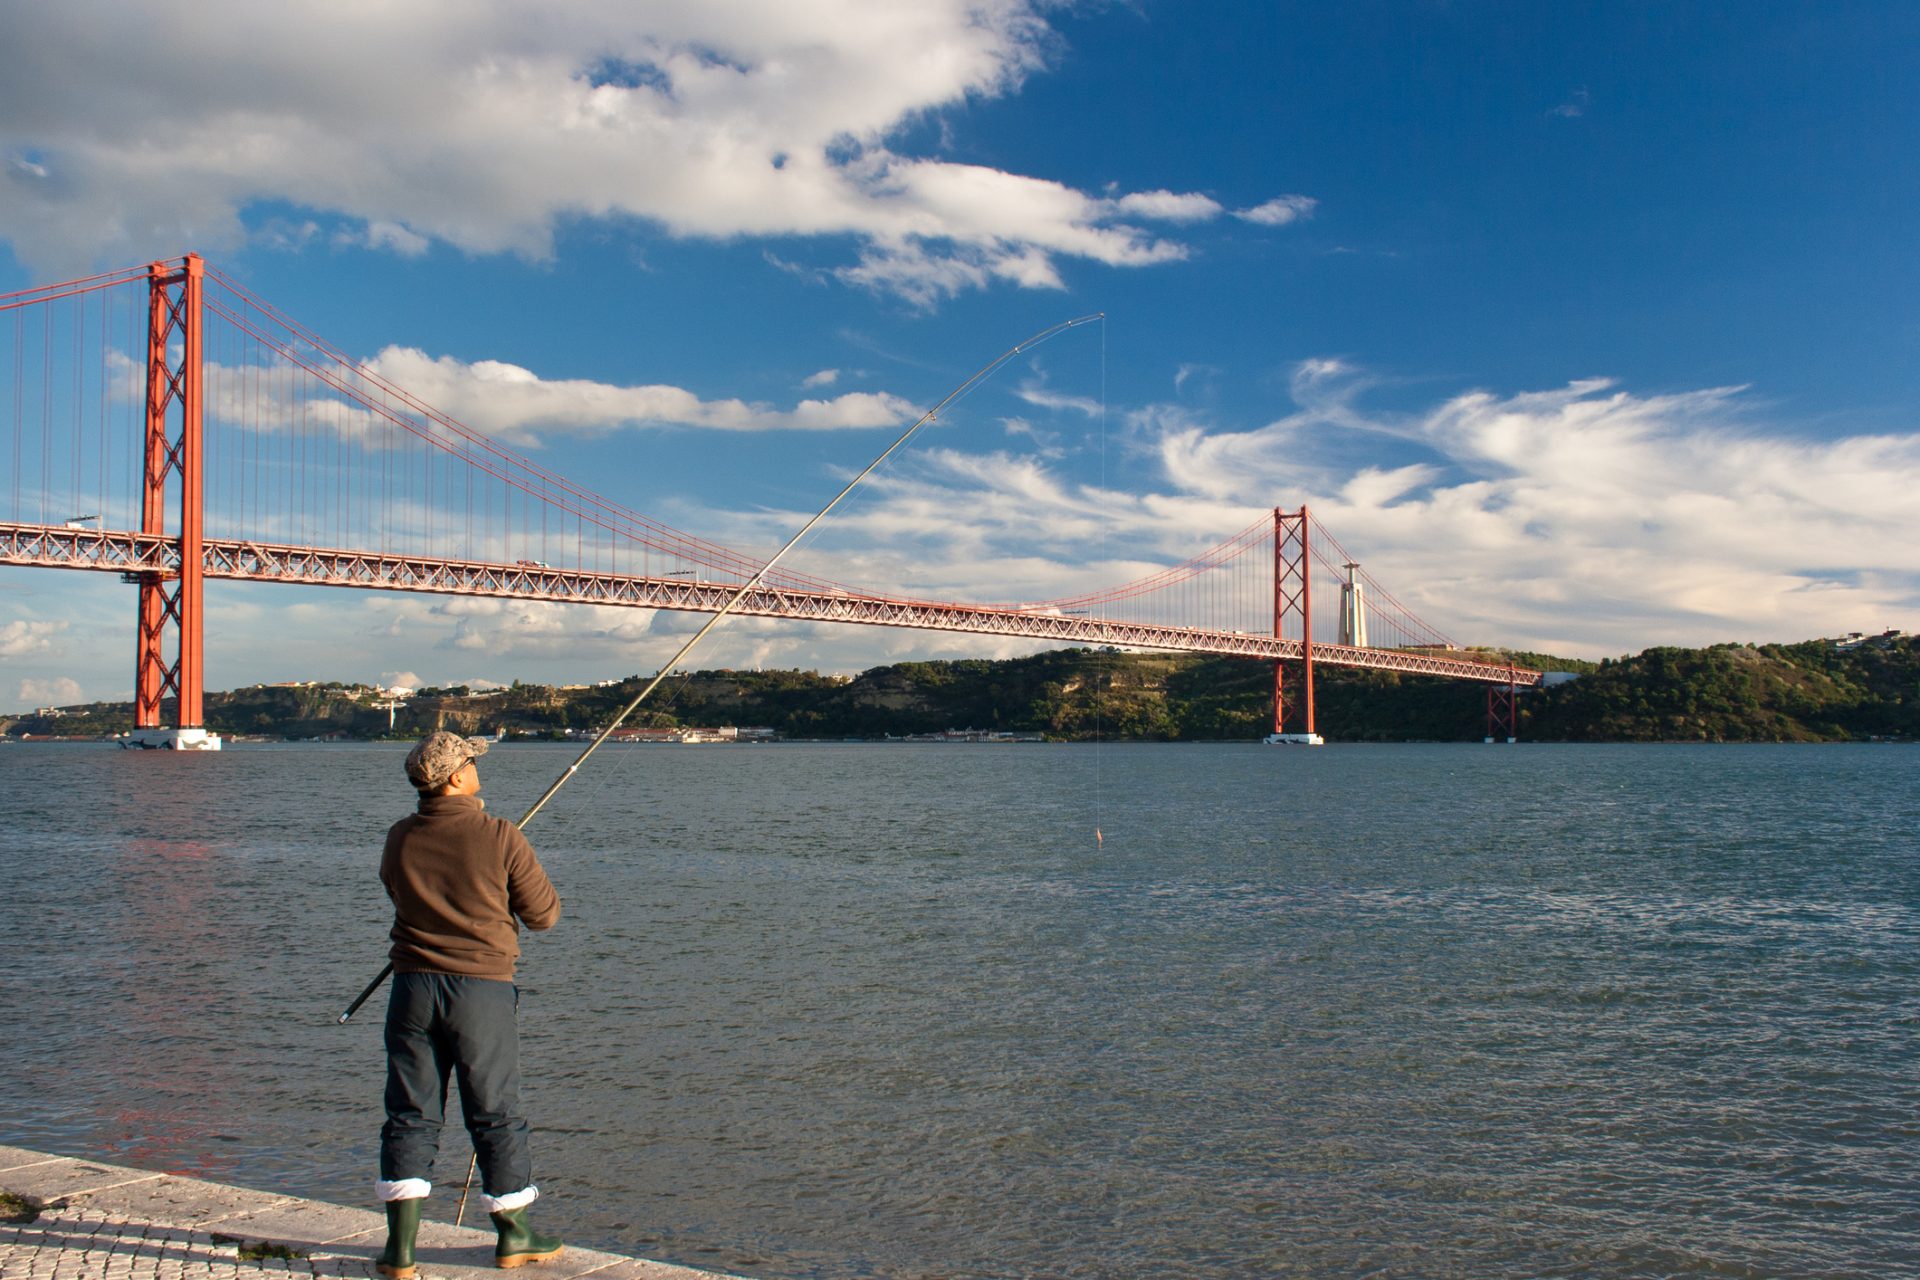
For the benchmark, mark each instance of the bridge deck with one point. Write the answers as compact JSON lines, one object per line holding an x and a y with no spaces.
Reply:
{"x":120,"y":551}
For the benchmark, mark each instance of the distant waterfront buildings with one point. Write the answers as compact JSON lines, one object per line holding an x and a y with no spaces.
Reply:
{"x":1857,"y":639}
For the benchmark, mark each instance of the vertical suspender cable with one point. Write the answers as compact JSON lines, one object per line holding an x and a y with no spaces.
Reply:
{"x":75,"y":497}
{"x":106,"y":311}
{"x":19,"y":422}
{"x":46,"y":408}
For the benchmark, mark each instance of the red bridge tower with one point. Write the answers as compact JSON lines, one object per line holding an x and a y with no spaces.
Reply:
{"x":171,"y":599}
{"x":1292,"y":578}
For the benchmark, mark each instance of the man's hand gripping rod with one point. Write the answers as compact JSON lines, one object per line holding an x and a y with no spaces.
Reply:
{"x":753,"y":582}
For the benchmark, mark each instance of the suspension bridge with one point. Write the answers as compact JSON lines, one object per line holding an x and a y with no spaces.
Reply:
{"x":163,"y":423}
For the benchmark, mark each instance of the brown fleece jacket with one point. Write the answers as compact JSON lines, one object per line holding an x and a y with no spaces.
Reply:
{"x":458,"y":880}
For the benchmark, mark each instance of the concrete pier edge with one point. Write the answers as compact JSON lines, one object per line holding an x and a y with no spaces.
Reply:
{"x":99,"y":1221}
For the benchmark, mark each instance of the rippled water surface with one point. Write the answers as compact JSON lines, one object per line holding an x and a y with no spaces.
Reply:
{"x":884,"y":1010}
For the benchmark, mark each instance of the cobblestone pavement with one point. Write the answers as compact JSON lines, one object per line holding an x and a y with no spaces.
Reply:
{"x":81,"y":1244}
{"x":69,"y":1219}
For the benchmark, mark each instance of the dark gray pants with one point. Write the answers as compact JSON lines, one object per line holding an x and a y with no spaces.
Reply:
{"x":437,"y":1024}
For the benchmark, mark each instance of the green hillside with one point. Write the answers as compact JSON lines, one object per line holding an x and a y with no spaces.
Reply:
{"x":1809,"y":692}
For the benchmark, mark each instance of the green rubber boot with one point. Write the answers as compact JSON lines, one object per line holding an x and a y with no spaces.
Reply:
{"x":403,"y":1223}
{"x":519,"y":1243}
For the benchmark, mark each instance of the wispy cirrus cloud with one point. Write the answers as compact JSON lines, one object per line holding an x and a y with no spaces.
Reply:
{"x":484,"y":127}
{"x":1280,"y":211}
{"x":529,"y":629}
{"x":1574,"y":106}
{"x":1036,"y":392}
{"x":1586,"y":517}
{"x":1582,"y":519}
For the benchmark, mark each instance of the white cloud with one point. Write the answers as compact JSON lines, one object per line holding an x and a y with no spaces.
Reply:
{"x":823,"y":378}
{"x":485,"y":126}
{"x":1574,"y":107}
{"x":1035,"y":392}
{"x":526,"y":630}
{"x":1583,"y":520}
{"x":920,"y":277}
{"x":1168,"y":206}
{"x":20,"y":638}
{"x":60,"y":691}
{"x":995,"y":527}
{"x":1046,"y":442}
{"x":287,"y":235}
{"x":1587,"y":517}
{"x":1280,"y":211}
{"x":381,"y":234}
{"x":1187,"y":372}
{"x":518,"y":406}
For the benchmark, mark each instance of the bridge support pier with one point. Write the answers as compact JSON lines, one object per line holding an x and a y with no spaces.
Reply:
{"x":172,"y":600}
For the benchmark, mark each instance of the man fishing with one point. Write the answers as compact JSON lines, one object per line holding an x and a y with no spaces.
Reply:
{"x":459,"y":881}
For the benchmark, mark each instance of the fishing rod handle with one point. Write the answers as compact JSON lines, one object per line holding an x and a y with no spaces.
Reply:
{"x":364,"y":996}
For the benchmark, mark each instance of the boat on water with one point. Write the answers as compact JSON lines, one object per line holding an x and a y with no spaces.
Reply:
{"x":1294,"y":740}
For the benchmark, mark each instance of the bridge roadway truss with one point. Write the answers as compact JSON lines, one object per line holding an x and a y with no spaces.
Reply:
{"x":129,"y":552}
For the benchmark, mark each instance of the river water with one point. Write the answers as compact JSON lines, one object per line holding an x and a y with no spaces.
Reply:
{"x":848,"y":1010}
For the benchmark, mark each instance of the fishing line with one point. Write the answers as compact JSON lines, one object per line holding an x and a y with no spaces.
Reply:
{"x":1106,"y":534}
{"x":665,"y":705}
{"x":750,"y":584}
{"x":672,"y":698}
{"x":559,"y":782}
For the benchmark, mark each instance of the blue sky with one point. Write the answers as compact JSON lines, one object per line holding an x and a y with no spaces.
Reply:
{"x":1586,"y":326}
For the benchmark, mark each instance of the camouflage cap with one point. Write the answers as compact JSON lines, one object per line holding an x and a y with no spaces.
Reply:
{"x":439,"y":755}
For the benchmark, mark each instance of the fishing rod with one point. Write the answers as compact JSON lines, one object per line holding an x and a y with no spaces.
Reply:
{"x":747,"y":588}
